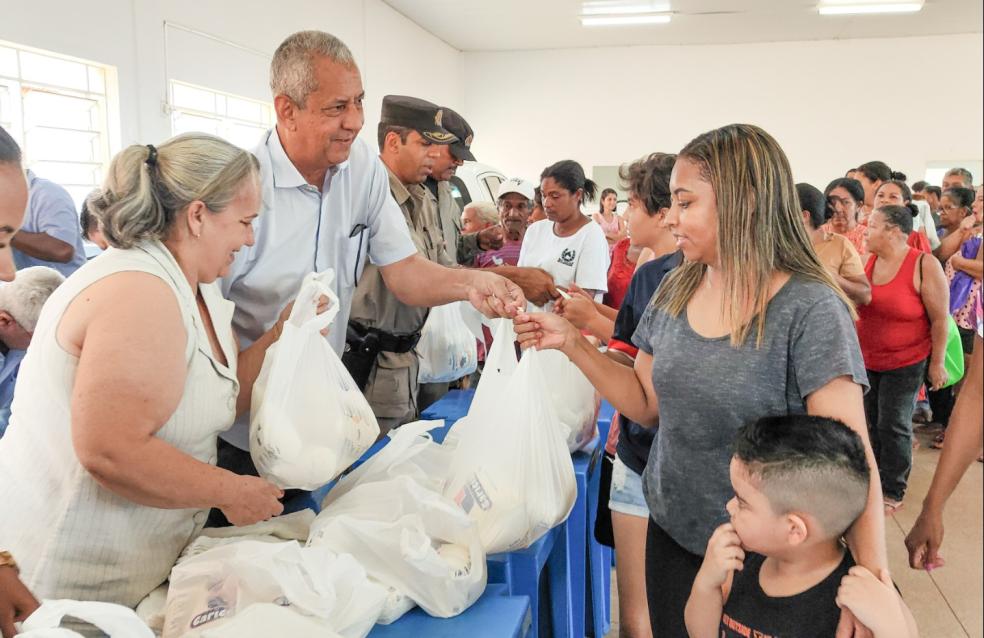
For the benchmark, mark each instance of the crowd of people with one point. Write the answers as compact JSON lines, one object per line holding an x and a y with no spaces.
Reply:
{"x":765,"y":344}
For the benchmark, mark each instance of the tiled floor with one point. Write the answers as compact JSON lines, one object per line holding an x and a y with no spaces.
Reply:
{"x":948,"y":602}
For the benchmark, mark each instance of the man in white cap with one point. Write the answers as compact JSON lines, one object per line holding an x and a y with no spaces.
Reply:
{"x":515,"y":203}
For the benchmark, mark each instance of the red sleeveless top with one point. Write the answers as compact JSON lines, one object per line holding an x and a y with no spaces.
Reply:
{"x":894,"y":328}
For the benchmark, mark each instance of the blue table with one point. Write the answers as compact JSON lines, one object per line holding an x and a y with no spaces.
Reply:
{"x":494,"y":615}
{"x":451,"y":406}
{"x":564,"y":553}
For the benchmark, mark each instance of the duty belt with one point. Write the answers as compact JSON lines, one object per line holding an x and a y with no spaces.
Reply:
{"x":360,"y":337}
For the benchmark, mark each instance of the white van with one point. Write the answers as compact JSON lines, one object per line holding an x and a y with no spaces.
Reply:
{"x":475,"y":182}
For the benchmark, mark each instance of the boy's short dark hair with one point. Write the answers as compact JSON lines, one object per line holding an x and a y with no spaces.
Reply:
{"x":810,"y":464}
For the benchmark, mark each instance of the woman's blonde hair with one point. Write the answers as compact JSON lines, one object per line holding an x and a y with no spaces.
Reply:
{"x":760,"y":227}
{"x":146,"y":187}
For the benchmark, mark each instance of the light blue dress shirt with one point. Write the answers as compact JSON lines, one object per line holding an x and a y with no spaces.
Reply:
{"x":51,"y":210}
{"x":301,"y":230}
{"x":8,"y":379}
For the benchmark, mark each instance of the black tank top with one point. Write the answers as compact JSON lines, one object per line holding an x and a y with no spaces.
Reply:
{"x":751,"y":613}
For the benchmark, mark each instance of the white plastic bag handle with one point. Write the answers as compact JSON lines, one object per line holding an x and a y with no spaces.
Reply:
{"x":116,"y":621}
{"x":502,"y":355}
{"x":304,"y":314}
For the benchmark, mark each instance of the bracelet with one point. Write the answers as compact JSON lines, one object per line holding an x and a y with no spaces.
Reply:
{"x":6,"y":560}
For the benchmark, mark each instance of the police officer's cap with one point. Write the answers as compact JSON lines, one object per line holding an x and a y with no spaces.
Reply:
{"x":459,"y":128}
{"x":420,"y":115}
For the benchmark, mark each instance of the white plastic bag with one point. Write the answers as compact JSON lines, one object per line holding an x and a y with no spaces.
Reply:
{"x":447,"y":349}
{"x":309,"y":420}
{"x":390,"y":515}
{"x":214,"y":587}
{"x":573,"y":398}
{"x":474,"y":320}
{"x":500,"y":364}
{"x":116,"y":621}
{"x":267,"y":619}
{"x":512,"y":472}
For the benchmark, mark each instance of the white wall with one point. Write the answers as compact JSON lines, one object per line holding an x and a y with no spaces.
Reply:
{"x":394,"y":54}
{"x":830,"y":104}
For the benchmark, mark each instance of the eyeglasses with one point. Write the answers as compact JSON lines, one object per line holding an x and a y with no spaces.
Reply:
{"x":951,"y":208}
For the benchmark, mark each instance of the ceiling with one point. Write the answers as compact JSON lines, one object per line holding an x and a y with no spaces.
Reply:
{"x":506,"y":25}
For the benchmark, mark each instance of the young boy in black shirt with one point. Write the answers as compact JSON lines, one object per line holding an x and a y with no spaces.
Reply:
{"x":778,"y":569}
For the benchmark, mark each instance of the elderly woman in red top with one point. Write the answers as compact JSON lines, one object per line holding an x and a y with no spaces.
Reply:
{"x":901,"y":330}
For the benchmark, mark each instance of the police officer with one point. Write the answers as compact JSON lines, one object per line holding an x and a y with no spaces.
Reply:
{"x":537,"y":284}
{"x":461,"y":248}
{"x":382,"y":330}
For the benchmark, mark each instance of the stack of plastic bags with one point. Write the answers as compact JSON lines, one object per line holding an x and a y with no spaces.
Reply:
{"x":390,"y":513}
{"x":245,"y":586}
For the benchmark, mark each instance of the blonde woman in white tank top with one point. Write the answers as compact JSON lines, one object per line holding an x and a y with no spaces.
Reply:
{"x":108,"y":467}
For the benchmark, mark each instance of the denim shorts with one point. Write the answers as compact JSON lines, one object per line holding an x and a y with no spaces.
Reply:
{"x":626,"y":495}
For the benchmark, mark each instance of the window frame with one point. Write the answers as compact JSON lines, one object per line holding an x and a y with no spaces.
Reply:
{"x":223,"y":119}
{"x":17,"y":122}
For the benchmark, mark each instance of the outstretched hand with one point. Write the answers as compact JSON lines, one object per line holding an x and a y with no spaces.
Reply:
{"x":545,"y":331}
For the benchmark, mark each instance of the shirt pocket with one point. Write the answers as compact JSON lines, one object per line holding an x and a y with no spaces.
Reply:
{"x":353,"y":253}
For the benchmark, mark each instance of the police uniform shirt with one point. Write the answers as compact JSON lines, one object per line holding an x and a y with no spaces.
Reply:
{"x":392,"y":386}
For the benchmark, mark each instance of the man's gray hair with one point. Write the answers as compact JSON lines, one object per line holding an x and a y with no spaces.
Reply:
{"x":292,"y":68}
{"x":486,"y":212}
{"x":965,"y":175}
{"x":24,"y":297}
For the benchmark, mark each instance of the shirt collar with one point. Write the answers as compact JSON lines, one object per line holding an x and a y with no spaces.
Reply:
{"x":400,"y":192}
{"x":285,"y":174}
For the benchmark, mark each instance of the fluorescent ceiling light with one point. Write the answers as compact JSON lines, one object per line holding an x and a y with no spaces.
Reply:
{"x":881,"y":7}
{"x":620,"y":7}
{"x":624,"y":20}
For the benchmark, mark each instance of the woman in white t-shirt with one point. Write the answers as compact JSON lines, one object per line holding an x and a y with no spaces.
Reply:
{"x":566,"y":244}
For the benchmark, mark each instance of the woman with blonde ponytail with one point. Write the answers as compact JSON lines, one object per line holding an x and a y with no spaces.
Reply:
{"x":750,"y":325}
{"x":133,"y":371}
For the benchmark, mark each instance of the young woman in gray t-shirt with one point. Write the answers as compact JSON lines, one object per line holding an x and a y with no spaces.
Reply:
{"x":750,"y":325}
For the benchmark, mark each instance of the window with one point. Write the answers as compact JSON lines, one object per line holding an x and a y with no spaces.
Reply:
{"x":492,"y":183}
{"x":56,"y":109}
{"x":460,"y":192}
{"x":237,"y":119}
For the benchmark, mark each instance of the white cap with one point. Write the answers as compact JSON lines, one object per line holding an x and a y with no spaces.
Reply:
{"x":515,"y":185}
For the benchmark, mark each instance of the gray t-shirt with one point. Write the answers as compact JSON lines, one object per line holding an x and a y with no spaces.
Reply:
{"x":708,"y":389}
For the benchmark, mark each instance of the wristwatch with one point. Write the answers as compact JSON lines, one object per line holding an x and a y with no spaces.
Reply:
{"x":6,"y":560}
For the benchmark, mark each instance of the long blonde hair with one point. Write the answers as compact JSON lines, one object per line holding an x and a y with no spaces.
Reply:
{"x":760,"y":227}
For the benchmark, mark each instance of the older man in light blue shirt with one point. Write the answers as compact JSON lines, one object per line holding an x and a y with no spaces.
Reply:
{"x":326,"y":204}
{"x":21,"y":302}
{"x":51,"y":235}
